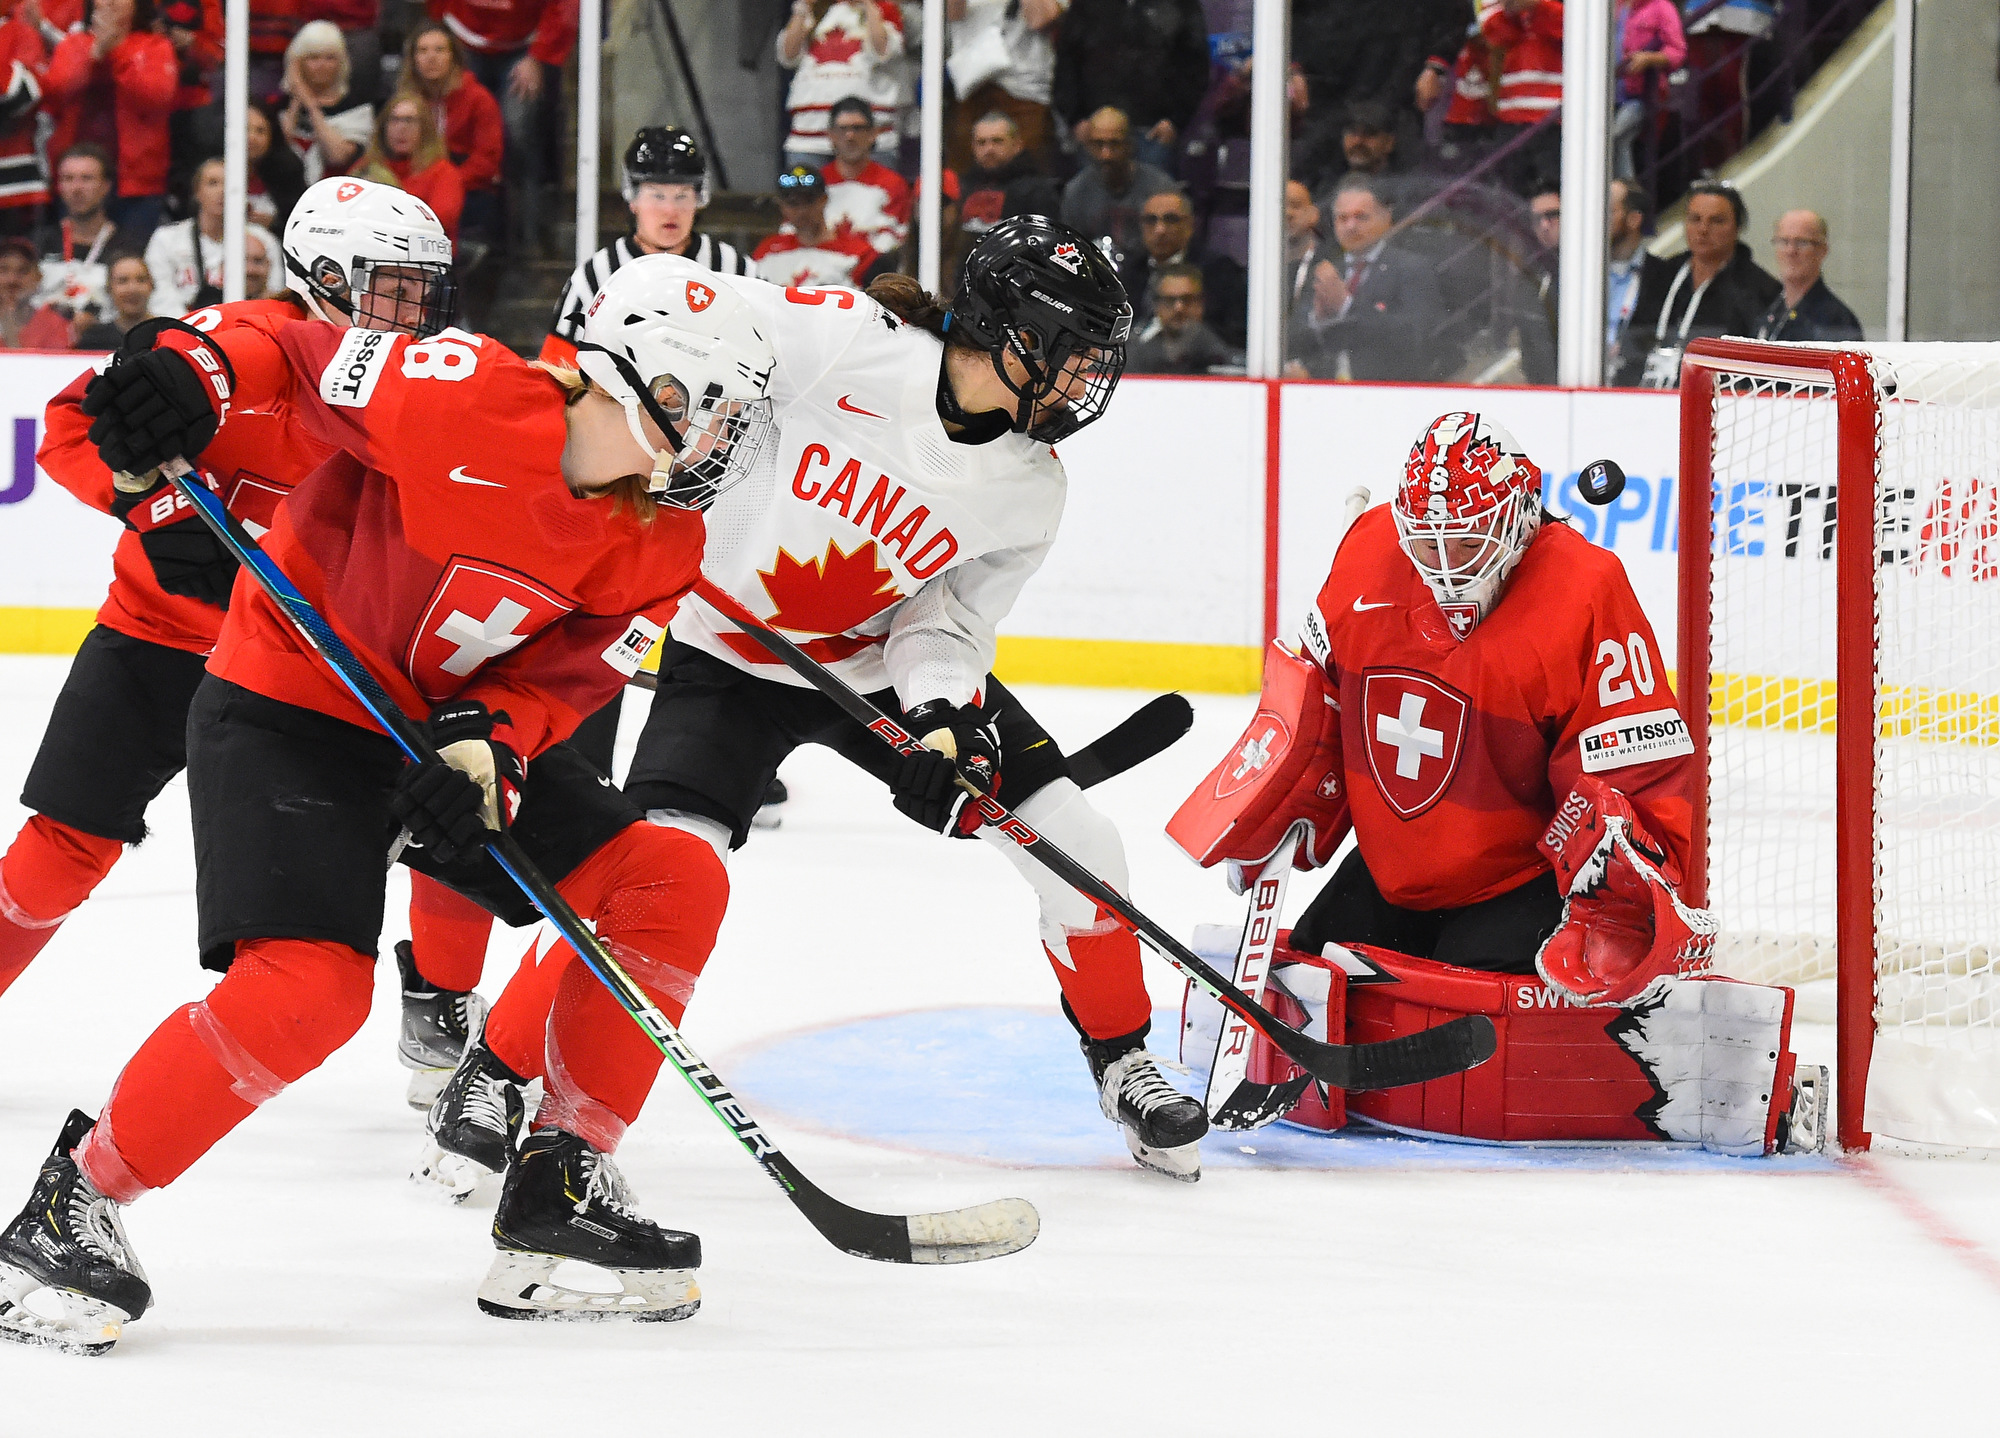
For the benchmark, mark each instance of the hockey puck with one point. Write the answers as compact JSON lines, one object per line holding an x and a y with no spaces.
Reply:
{"x":1601,"y":481}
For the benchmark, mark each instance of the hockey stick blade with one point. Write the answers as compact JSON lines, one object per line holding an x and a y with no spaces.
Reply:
{"x":1151,"y":728}
{"x":1252,"y":1105}
{"x":989,"y":1230}
{"x":1414,"y":1058}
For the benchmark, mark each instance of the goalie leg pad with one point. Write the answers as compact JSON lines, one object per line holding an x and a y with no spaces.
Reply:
{"x":1702,"y":1062}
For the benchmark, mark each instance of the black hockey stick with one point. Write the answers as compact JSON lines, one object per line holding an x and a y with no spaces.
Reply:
{"x":1414,"y":1058}
{"x":989,"y":1230}
{"x":1152,"y":727}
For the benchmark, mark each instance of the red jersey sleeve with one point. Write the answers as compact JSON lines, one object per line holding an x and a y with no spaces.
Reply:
{"x":67,"y":455}
{"x":1625,"y":725}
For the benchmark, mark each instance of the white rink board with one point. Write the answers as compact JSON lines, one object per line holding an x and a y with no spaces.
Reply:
{"x":1163,"y":535}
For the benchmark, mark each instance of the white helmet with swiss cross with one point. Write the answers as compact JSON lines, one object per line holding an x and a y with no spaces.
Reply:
{"x":673,"y":345}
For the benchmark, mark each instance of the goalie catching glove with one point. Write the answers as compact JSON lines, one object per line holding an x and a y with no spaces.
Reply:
{"x":163,"y":397}
{"x":452,"y":803}
{"x":1623,"y":926}
{"x":959,"y":740}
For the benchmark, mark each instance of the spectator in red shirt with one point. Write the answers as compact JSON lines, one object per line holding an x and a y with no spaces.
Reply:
{"x":1528,"y":37}
{"x":806,"y":250}
{"x":466,"y":114}
{"x":516,"y":49}
{"x":864,"y":197}
{"x":113,"y":83}
{"x":24,"y":60}
{"x":25,"y":325}
{"x":409,"y":153}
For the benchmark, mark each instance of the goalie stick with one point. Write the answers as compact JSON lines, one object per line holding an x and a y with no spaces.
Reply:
{"x":1414,"y":1058}
{"x":1154,"y":726}
{"x":1233,"y":1101}
{"x":988,"y":1230}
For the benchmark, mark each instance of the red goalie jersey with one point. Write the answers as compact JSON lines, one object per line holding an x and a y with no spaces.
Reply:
{"x":1456,"y":753}
{"x":441,"y":540}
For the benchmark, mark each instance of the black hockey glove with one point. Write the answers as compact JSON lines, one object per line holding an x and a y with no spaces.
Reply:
{"x":164,"y":396}
{"x":958,"y":740}
{"x":187,"y":558}
{"x":454,"y":802}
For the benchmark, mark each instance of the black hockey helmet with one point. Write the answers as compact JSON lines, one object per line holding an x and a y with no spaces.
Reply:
{"x":665,"y":154}
{"x":1043,"y":291}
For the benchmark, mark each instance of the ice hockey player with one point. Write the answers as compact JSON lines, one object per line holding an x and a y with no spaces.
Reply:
{"x":356,"y":253}
{"x":915,"y":493}
{"x":504,"y":574}
{"x":1480,"y":695}
{"x":665,"y":183}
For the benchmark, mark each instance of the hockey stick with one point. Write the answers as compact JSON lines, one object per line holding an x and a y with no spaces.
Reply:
{"x":1414,"y":1058}
{"x":1149,"y":729}
{"x":1233,"y":1101}
{"x":989,"y":1230}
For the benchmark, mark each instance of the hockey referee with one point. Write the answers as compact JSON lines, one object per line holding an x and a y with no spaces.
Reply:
{"x":666,"y":181}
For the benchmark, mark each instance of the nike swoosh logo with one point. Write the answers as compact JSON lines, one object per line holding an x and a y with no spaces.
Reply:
{"x":1360,"y":608}
{"x":458,"y":473}
{"x":842,"y":403}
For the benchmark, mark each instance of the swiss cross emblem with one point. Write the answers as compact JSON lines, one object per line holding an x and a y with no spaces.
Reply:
{"x":1265,"y":743}
{"x":478,"y":612}
{"x":346,"y":192}
{"x":254,"y":500}
{"x":1414,"y":728}
{"x":700,"y":296}
{"x":1068,"y":256}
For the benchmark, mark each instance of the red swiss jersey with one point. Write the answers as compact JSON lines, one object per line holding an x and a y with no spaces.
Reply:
{"x":1457,"y":754}
{"x":253,"y":462}
{"x":441,"y":541}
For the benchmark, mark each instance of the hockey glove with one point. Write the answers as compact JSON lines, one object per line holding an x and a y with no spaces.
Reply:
{"x":164,"y":396}
{"x":958,"y":740}
{"x":453,"y":803}
{"x":187,"y":558}
{"x":1623,"y":926}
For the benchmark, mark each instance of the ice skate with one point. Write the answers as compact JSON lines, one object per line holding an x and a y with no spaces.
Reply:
{"x":1803,"y":1128}
{"x":1163,"y":1126}
{"x":473,"y":1126}
{"x":68,"y":1276}
{"x":437,"y":1025}
{"x":567,"y":1203}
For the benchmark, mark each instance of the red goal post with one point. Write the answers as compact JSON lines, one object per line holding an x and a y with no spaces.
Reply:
{"x":1847,"y":828}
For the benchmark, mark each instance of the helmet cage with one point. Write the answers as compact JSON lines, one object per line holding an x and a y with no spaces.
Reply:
{"x":1053,"y":369}
{"x":365,"y":290}
{"x":1465,"y":558}
{"x":714,"y":447}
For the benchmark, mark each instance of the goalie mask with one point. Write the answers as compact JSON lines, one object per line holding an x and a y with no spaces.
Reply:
{"x":1469,"y":504}
{"x":673,"y":346}
{"x":373,"y":253}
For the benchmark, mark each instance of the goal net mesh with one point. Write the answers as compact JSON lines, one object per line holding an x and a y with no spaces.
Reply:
{"x":1776,"y":620}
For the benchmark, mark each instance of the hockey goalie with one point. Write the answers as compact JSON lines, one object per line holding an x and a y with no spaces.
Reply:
{"x":1479,"y":698}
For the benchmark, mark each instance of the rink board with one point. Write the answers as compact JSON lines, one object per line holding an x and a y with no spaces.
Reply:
{"x":1162,"y":575}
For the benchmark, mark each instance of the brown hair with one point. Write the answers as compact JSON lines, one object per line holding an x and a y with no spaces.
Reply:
{"x":630,"y":489}
{"x":911,"y":303}
{"x":430,"y":145}
{"x":415,"y":82}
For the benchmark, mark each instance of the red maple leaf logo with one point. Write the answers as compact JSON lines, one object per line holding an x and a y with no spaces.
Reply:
{"x":829,"y":595}
{"x":835,"y":47}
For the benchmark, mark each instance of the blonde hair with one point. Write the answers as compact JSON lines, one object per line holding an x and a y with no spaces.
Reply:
{"x":321,"y":37}
{"x":630,"y":489}
{"x":430,"y":144}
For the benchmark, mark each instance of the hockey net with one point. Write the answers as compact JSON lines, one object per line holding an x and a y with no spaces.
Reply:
{"x":1844,"y":618}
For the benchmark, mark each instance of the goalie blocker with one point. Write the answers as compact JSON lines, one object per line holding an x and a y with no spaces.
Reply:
{"x":1704,"y":1062}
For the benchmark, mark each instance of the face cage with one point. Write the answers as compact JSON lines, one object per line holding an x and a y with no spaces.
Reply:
{"x":1503,"y":531}
{"x":429,"y":314}
{"x":1071,"y":355}
{"x":718,"y":449}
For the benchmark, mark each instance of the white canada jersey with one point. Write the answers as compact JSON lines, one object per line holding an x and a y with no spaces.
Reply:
{"x":889,"y":553}
{"x":589,"y":277}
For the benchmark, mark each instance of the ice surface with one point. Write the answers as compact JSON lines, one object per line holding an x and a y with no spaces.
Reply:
{"x":305,"y":1287}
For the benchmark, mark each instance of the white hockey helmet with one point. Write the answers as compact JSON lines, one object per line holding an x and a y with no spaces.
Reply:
{"x":669,"y":342}
{"x":372,"y":252}
{"x":1469,"y":504}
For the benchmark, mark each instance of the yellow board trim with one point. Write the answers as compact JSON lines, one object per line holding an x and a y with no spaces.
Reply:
{"x":44,"y":631}
{"x":1129,"y":664}
{"x":1806,"y":706}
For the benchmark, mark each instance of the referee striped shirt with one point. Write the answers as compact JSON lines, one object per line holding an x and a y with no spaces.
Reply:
{"x":590,"y":276}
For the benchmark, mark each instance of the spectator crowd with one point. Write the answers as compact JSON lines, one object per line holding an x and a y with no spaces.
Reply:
{"x":1421,"y":218}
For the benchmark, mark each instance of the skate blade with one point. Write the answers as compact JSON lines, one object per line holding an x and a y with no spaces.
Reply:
{"x":967,"y":1235}
{"x":454,"y":1177}
{"x":1182,"y":1164}
{"x":522,"y":1286}
{"x":425,"y":1086}
{"x":767,"y":818}
{"x":85,"y":1326}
